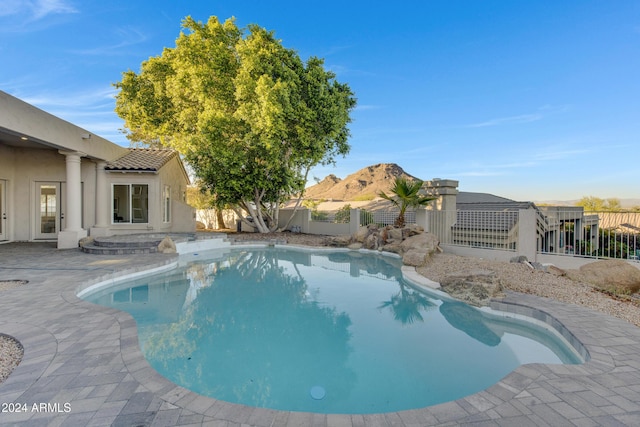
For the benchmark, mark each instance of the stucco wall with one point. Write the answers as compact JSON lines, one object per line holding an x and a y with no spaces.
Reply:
{"x":22,"y":169}
{"x":182,"y":215}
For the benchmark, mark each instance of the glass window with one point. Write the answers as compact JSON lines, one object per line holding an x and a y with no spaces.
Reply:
{"x":130,"y":203}
{"x":166,"y":197}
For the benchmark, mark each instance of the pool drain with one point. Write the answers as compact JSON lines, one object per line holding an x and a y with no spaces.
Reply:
{"x":317,"y":392}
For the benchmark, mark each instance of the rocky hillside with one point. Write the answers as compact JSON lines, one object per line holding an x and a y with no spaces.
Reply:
{"x":361,"y":185}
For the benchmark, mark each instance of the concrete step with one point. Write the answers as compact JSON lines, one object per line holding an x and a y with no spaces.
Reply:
{"x":143,"y":243}
{"x":115,"y":250}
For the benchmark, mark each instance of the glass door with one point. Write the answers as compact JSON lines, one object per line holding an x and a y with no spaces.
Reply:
{"x":3,"y":209}
{"x":49,"y":210}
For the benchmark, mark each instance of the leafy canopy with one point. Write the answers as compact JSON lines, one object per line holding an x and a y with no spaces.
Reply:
{"x":245,"y":112}
{"x":596,"y":204}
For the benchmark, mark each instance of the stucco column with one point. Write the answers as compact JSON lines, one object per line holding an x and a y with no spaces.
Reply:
{"x":73,"y":214}
{"x":446,"y":190}
{"x":68,"y":238}
{"x":103,"y":204}
{"x":527,"y":238}
{"x":102,"y":196}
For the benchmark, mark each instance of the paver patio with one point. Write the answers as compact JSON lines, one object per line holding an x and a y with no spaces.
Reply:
{"x":87,"y":357}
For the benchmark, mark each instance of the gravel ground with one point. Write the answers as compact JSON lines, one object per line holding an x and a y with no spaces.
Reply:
{"x":10,"y":355}
{"x":515,"y":277}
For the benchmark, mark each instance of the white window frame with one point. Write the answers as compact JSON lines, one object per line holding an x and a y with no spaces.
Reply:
{"x":134,"y":189}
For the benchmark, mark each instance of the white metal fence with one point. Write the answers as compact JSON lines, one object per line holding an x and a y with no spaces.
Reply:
{"x":593,"y":234}
{"x":544,"y":230}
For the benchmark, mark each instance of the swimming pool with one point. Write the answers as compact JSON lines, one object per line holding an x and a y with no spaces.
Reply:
{"x":328,"y":332}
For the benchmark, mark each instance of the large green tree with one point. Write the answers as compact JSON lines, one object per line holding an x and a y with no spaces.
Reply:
{"x":596,"y":204}
{"x":247,"y":114}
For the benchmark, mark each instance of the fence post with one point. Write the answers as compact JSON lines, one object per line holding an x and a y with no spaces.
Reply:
{"x":422,"y":219}
{"x":354,"y":220}
{"x":305,"y":220}
{"x":527,"y":239}
{"x":446,"y":191}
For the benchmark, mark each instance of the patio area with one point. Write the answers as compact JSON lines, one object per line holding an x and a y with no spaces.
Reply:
{"x":84,"y":364}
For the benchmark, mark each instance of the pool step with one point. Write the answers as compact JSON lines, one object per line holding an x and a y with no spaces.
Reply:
{"x":145,"y":243}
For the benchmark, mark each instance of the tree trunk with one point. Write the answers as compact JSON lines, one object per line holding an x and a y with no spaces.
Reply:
{"x":220,"y":219}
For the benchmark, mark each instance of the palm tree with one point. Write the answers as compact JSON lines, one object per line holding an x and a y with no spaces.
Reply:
{"x":405,"y":195}
{"x":406,"y":305}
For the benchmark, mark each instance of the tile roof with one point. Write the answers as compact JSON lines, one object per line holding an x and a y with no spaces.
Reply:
{"x":142,"y":159}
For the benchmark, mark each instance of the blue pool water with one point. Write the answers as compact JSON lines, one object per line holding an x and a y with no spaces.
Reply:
{"x":329,"y":332}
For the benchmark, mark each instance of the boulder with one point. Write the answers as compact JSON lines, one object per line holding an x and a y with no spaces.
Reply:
{"x":617,"y":276}
{"x":475,"y":287}
{"x":415,"y":257}
{"x":85,"y":241}
{"x":338,"y":241}
{"x":395,"y":234}
{"x":361,"y":234}
{"x":167,"y":246}
{"x":425,"y":241}
{"x":373,"y":241}
{"x":393,"y":247}
{"x":411,"y":230}
{"x":556,"y":271}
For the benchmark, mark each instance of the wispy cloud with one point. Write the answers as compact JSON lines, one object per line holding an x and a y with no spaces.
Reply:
{"x":33,"y":10}
{"x":77,"y":101}
{"x":128,"y":36}
{"x":523,"y":118}
{"x":42,"y":8}
{"x":539,"y":114}
{"x":16,"y":14}
{"x":493,"y":169}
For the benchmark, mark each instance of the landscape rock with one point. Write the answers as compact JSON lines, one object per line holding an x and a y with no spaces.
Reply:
{"x":361,"y":234}
{"x":411,"y":230}
{"x":85,"y":241}
{"x":415,"y":257}
{"x":393,"y":247}
{"x":617,"y":276}
{"x":167,"y":246}
{"x":519,"y":259}
{"x":395,"y":234}
{"x":373,"y":241}
{"x":475,"y":287}
{"x":426,"y":241}
{"x":338,"y":241}
{"x":552,"y":269}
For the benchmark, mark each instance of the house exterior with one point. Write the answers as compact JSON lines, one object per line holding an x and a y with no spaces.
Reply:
{"x":59,"y":182}
{"x":484,"y":220}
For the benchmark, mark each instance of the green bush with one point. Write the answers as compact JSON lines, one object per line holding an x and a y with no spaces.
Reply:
{"x":343,"y":216}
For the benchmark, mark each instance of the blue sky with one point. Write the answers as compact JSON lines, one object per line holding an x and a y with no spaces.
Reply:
{"x":531,"y":100}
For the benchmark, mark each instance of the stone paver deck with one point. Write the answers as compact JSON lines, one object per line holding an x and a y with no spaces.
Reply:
{"x":82,"y":365}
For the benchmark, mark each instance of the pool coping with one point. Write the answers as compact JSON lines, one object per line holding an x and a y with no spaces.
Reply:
{"x":603,"y":390}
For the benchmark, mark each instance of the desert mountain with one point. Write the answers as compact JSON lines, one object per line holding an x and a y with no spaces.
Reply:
{"x":363,"y":184}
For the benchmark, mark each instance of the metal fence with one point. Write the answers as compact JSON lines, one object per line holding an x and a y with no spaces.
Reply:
{"x":385,"y":217}
{"x":486,"y":229}
{"x":556,"y":230}
{"x":593,"y":234}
